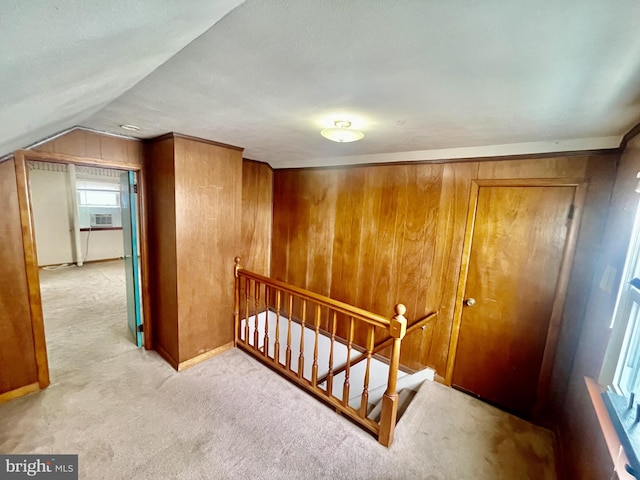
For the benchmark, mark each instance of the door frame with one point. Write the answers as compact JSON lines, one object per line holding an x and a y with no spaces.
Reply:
{"x":555,"y":321}
{"x":21,"y":157}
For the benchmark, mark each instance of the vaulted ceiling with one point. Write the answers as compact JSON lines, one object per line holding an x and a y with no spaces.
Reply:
{"x":423,"y":79}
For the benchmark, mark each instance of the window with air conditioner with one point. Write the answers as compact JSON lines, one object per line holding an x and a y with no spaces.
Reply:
{"x":98,"y":203}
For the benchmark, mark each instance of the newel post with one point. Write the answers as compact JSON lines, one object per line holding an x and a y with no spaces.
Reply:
{"x":236,"y":301}
{"x":397,"y":330}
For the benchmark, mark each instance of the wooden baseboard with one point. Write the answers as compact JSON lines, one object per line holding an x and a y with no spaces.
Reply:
{"x":167,"y":356}
{"x":85,"y":262}
{"x":204,"y":356}
{"x":19,"y":392}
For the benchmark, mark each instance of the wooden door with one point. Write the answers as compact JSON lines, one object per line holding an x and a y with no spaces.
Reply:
{"x":516,"y":246}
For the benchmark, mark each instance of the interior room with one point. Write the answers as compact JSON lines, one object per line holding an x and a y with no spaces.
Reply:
{"x":421,"y":215}
{"x":77,"y":217}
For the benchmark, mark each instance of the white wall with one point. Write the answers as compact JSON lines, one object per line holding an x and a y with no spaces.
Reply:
{"x":53,"y":226}
{"x":102,"y":244}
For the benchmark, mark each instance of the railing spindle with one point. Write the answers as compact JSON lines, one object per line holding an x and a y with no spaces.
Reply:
{"x":396,"y":328}
{"x":314,"y":368}
{"x":247,"y":294}
{"x":276,"y":347}
{"x":256,"y":293}
{"x":288,"y":360}
{"x":236,"y":303}
{"x":364,"y":402}
{"x":301,"y":356}
{"x":266,"y":321}
{"x":333,"y":339}
{"x":388,"y":415}
{"x":347,"y":371}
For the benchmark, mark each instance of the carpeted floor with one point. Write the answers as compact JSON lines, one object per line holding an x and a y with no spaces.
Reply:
{"x":128,"y":414}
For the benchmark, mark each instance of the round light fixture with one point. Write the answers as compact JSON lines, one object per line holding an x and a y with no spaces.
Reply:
{"x":132,"y":128}
{"x":342,"y":133}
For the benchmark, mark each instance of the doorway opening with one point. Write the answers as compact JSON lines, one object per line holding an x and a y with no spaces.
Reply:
{"x":86,"y":238}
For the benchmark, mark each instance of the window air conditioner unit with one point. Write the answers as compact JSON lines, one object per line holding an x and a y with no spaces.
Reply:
{"x":101,"y":220}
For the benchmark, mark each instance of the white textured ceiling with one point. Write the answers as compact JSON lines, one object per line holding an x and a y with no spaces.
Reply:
{"x":62,"y":60}
{"x":432,"y":79}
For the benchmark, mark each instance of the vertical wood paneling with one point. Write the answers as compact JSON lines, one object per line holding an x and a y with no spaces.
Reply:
{"x":82,"y":143}
{"x":553,"y":167}
{"x":298,"y":203}
{"x":257,"y":203}
{"x":601,"y":172}
{"x":447,"y":256}
{"x":162,"y":247}
{"x":583,"y":448}
{"x":208,"y":190}
{"x":347,"y":233}
{"x":398,"y":233}
{"x":283,"y":221}
{"x":422,"y":192}
{"x":17,"y":353}
{"x":322,"y":212}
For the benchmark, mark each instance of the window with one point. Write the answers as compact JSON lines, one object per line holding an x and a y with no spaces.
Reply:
{"x":98,"y":203}
{"x":621,"y":367}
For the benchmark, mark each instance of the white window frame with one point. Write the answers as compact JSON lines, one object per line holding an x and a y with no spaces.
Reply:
{"x":625,"y":325}
{"x":84,"y":186}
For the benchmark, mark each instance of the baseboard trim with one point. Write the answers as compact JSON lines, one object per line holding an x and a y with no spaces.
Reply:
{"x":167,"y":356}
{"x":182,"y":366}
{"x":85,"y":262}
{"x":19,"y":392}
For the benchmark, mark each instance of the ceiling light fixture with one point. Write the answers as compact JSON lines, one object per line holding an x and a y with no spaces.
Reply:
{"x":342,"y":133}
{"x":133,"y":128}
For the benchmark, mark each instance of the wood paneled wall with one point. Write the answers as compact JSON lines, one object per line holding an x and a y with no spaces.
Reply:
{"x":583,"y":448}
{"x":194,"y":207}
{"x":374,"y":236}
{"x":86,"y":144}
{"x":257,"y":203}
{"x":162,"y":247}
{"x":17,"y":353}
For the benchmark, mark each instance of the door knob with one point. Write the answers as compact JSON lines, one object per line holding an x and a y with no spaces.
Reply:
{"x":470,"y":302}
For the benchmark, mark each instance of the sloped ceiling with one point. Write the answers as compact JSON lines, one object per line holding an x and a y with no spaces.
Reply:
{"x":62,"y":60}
{"x":428,"y":79}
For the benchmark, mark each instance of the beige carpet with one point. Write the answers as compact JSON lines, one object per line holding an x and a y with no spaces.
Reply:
{"x":129,"y":415}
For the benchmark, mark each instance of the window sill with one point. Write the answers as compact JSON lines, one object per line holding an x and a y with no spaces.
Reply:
{"x":94,"y":229}
{"x":614,"y":444}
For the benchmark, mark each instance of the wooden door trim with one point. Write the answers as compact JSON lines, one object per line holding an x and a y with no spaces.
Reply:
{"x":462,"y":282}
{"x":29,"y":242}
{"x":83,"y":161}
{"x":580,"y":185}
{"x":562,"y":286}
{"x":31,"y":268}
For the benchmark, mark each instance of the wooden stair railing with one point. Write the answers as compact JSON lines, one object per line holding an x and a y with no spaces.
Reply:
{"x":271,"y":296}
{"x":382,"y":345}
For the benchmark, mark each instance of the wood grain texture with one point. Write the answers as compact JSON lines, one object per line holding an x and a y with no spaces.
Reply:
{"x":83,"y":143}
{"x":160,"y":209}
{"x":257,"y":203}
{"x":208,"y":202}
{"x":19,"y":392}
{"x":601,"y":171}
{"x":17,"y":352}
{"x":584,"y":451}
{"x":31,"y":268}
{"x":517,"y":244}
{"x":397,"y":233}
